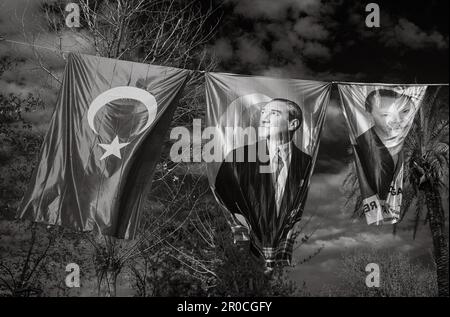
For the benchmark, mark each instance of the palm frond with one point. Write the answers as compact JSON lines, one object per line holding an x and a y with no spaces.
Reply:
{"x":440,"y":130}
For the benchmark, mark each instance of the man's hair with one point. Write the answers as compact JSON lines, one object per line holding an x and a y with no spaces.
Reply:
{"x":379,"y":93}
{"x":295,"y":112}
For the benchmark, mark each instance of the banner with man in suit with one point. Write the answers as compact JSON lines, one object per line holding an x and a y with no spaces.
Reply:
{"x":103,"y":144}
{"x":268,"y":131}
{"x":379,"y":118}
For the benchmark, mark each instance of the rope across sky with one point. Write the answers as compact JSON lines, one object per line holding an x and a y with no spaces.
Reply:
{"x":2,"y":39}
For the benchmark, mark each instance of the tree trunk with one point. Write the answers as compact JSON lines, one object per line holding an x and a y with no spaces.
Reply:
{"x":107,"y":281}
{"x":437,"y":227}
{"x":111,"y":280}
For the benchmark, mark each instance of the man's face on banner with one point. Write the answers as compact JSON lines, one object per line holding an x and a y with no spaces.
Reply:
{"x":391,"y":116}
{"x":274,"y":123}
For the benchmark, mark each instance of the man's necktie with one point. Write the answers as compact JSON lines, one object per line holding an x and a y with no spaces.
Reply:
{"x":280,"y":164}
{"x":279,"y":183}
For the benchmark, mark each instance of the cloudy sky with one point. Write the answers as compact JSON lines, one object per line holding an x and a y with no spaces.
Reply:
{"x":306,"y":39}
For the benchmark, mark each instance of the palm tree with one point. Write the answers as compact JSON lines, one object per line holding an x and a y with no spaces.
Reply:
{"x":426,"y":153}
{"x":427,"y":157}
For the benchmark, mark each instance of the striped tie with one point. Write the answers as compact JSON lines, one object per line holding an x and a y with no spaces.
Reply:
{"x":280,"y":164}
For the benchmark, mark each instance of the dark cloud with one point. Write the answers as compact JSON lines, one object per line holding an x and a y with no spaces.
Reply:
{"x":275,"y":9}
{"x":311,"y":29}
{"x":222,"y":49}
{"x":408,"y":34}
{"x":334,"y":142}
{"x":285,"y":35}
{"x":250,"y":51}
{"x":291,"y":70}
{"x":317,"y":51}
{"x":330,"y":40}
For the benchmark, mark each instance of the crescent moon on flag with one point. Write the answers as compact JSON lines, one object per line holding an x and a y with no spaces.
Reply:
{"x":123,"y":92}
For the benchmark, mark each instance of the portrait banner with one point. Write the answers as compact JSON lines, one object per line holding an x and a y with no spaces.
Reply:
{"x":267,"y":131}
{"x":379,"y":118}
{"x":103,"y":143}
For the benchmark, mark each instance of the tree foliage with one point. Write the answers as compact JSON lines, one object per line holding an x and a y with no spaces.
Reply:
{"x":399,"y":276}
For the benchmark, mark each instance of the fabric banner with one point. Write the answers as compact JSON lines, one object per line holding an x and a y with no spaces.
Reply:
{"x":268,"y":130}
{"x":379,"y":118}
{"x":103,"y":144}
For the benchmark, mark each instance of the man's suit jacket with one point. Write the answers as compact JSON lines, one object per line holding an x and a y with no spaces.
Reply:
{"x":244,"y":190}
{"x":376,"y":163}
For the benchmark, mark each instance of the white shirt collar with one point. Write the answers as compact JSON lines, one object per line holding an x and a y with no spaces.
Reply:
{"x":284,"y":150}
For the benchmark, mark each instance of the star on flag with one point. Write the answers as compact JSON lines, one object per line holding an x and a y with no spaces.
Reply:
{"x":113,"y":148}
